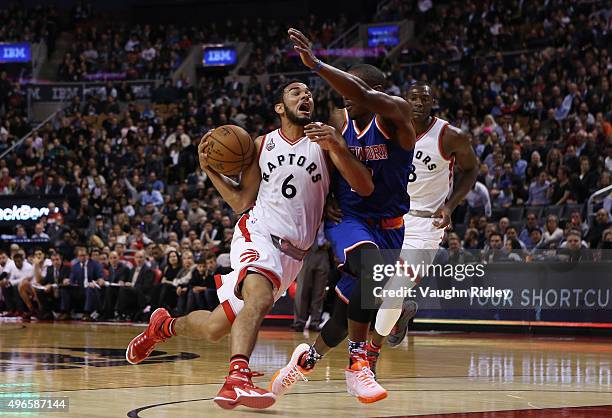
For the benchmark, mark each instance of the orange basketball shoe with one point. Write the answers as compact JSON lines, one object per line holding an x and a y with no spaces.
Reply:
{"x":360,"y":382}
{"x":240,"y":390}
{"x":143,"y":344}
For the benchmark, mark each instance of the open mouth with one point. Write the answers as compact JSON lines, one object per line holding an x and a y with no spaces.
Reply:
{"x":304,"y":108}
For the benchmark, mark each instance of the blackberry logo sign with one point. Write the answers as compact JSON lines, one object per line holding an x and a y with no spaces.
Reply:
{"x":22,"y":213}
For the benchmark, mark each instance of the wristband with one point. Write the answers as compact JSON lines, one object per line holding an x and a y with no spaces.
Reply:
{"x":317,"y":67}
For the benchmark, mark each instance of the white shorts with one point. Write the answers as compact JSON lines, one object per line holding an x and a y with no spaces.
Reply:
{"x":420,"y":234}
{"x":252,"y":250}
{"x":421,"y":243}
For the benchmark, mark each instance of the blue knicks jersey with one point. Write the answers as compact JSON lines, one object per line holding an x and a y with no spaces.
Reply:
{"x":390,"y":165}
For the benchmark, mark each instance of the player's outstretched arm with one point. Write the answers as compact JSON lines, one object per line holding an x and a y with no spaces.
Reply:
{"x":394,"y":109}
{"x":457,"y":144}
{"x":354,"y":172}
{"x":240,"y":197}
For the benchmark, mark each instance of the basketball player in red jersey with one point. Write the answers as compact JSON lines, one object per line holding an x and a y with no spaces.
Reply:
{"x":283,"y":193}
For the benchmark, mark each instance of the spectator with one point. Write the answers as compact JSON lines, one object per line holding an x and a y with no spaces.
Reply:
{"x":576,"y":223}
{"x":134,"y":297}
{"x":586,"y":179}
{"x":196,"y":215}
{"x":50,"y":278}
{"x":80,"y":291}
{"x":456,"y":254}
{"x":478,"y":200}
{"x":512,"y":234}
{"x":99,"y":229}
{"x":181,"y":282}
{"x":573,"y":251}
{"x":552,"y":232}
{"x":151,"y":196}
{"x":606,"y":244}
{"x":496,"y":252}
{"x":16,"y":284}
{"x":538,"y":190}
{"x":600,"y":224}
{"x":167,"y":296}
{"x":310,"y":285}
{"x":202,"y":291}
{"x":39,"y":232}
{"x":525,"y":235}
{"x":561,"y":191}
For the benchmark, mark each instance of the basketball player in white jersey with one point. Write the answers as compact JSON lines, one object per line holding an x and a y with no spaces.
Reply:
{"x":433,"y":198}
{"x":283,"y":194}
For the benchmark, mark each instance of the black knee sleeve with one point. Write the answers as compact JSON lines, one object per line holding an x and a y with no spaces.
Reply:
{"x":361,"y":262}
{"x":356,"y":312}
{"x":335,"y":329}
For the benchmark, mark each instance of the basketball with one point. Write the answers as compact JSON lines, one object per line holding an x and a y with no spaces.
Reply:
{"x":231,"y":149}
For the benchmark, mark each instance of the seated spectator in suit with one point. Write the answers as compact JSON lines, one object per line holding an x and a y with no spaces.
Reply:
{"x":118,"y":275}
{"x":135,"y":295}
{"x":50,"y":278}
{"x":81,"y":290}
{"x":167,"y":290}
{"x":181,"y":282}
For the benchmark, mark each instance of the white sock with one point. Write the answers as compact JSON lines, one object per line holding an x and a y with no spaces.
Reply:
{"x":391,"y":308}
{"x":386,"y":319}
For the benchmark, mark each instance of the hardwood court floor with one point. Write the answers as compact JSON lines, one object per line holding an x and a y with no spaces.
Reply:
{"x":429,"y":374}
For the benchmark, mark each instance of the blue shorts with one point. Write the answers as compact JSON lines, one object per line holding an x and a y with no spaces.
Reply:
{"x":353,"y":232}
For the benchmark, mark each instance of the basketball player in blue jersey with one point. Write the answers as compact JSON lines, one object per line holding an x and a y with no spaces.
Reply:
{"x":378,"y":129}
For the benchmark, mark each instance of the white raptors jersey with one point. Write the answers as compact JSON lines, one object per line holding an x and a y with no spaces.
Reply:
{"x":294,"y":185}
{"x":431,"y":182}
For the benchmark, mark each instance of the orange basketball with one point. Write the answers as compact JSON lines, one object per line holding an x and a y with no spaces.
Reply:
{"x":230,"y":150}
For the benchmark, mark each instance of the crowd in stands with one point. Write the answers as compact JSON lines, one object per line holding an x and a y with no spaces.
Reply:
{"x":138,"y":225}
{"x":539,"y":119}
{"x":124,"y":51}
{"x":121,"y":49}
{"x":20,"y":24}
{"x":35,"y":25}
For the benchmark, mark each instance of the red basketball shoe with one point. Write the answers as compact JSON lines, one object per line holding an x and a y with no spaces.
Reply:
{"x":240,"y":390}
{"x":143,"y":344}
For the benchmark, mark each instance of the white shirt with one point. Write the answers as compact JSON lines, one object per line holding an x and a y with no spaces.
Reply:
{"x":17,"y":275}
{"x":479,"y":196}
{"x":136,"y":273}
{"x":7,"y":267}
{"x":148,"y":54}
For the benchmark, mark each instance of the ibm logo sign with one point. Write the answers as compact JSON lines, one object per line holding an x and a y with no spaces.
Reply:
{"x":14,"y":52}
{"x":220,"y":56}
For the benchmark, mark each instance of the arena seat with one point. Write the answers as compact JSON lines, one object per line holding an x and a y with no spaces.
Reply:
{"x":553,"y":210}
{"x":515,"y":213}
{"x":571,"y":207}
{"x":538,"y":210}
